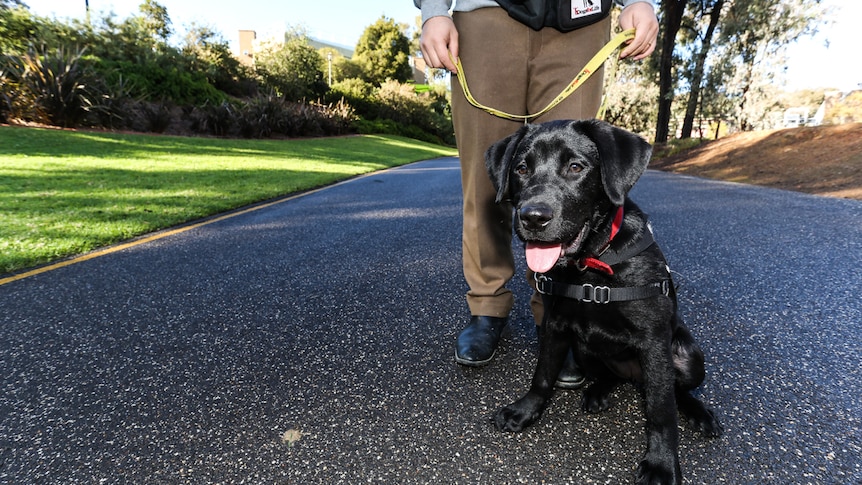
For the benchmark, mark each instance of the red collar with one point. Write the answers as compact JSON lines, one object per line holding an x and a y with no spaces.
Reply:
{"x":592,"y":261}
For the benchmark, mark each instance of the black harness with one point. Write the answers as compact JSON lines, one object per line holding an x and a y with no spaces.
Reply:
{"x":589,"y":293}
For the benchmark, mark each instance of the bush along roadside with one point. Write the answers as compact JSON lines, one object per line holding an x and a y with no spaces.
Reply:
{"x":69,"y":89}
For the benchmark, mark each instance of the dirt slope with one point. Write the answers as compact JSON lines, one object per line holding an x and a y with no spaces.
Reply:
{"x":824,"y":160}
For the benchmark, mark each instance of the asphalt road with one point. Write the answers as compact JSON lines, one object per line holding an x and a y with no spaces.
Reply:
{"x":187,"y":359}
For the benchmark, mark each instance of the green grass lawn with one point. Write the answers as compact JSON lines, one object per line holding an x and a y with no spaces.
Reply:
{"x":64,"y":192}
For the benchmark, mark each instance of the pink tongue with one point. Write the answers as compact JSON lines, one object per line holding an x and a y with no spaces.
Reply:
{"x":542,"y":257}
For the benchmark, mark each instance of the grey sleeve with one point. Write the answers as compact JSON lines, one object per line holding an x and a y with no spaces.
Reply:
{"x":624,"y":3}
{"x":433,"y":8}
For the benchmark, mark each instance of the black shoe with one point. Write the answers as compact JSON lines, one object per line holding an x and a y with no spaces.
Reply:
{"x":477,"y":344}
{"x":571,"y":376}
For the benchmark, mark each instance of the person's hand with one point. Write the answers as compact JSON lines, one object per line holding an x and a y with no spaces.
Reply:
{"x":439,"y":39}
{"x":641,"y":17}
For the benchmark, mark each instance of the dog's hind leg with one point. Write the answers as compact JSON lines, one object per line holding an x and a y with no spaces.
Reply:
{"x":687,"y":358}
{"x":597,"y":396}
{"x":688,"y":363}
{"x":698,"y":415}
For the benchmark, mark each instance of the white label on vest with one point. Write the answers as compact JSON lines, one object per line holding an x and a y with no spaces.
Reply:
{"x":582,"y":8}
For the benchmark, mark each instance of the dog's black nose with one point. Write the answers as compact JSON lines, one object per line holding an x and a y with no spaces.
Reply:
{"x":535,"y":216}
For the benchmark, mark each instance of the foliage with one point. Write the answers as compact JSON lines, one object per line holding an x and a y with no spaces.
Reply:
{"x":358,"y":94}
{"x":671,"y":19}
{"x":292,"y":68}
{"x":213,"y":119}
{"x":674,"y":147}
{"x":18,"y":29}
{"x":132,"y":78}
{"x":752,"y":35}
{"x":699,"y":36}
{"x":207,"y":52}
{"x":269,"y":115}
{"x":847,"y":109}
{"x":266,"y":116}
{"x":156,"y":82}
{"x":383,"y":53}
{"x":46,"y":87}
{"x":397,"y":108}
{"x":630,"y":94}
{"x":155,"y":20}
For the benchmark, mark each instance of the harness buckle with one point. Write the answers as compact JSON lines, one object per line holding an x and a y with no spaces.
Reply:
{"x":540,"y":283}
{"x":665,"y":287}
{"x":596,"y":294}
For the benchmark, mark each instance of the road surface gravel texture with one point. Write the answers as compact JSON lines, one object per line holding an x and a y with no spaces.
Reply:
{"x":311,"y":342}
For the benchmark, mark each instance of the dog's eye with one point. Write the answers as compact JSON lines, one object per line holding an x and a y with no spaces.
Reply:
{"x":521,"y":168}
{"x":575,"y":167}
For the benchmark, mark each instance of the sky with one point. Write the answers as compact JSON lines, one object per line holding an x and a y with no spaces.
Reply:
{"x":811,"y":63}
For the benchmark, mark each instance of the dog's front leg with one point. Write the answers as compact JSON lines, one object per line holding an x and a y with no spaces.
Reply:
{"x":661,"y":461}
{"x":553,"y":346}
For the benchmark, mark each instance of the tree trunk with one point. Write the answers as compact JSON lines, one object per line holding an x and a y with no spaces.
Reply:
{"x":672,"y":11}
{"x":697,"y":76}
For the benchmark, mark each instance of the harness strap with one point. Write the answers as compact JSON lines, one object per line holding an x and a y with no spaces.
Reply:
{"x":646,"y":240}
{"x":588,"y":293}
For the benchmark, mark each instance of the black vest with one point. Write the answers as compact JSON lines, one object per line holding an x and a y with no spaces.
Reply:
{"x":563,"y":15}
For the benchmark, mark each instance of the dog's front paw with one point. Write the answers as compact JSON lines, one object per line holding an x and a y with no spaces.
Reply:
{"x":659,"y":472}
{"x":520,"y":414}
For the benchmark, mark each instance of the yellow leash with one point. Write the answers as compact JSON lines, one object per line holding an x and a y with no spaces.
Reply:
{"x":591,"y":67}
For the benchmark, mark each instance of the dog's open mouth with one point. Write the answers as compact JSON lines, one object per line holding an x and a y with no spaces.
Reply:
{"x":542,"y":256}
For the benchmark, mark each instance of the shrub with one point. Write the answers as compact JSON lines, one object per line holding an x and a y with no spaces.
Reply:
{"x":260,"y":117}
{"x":424,"y":116}
{"x":269,"y":115}
{"x":157,"y":116}
{"x":213,"y":119}
{"x":400,"y":103}
{"x":358,"y":94}
{"x":338,"y":117}
{"x":115,"y":106}
{"x":155,"y":82}
{"x":291,"y":68}
{"x":47,"y":87}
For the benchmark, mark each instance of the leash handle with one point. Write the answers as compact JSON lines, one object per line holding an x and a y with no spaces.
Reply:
{"x":592,"y":66}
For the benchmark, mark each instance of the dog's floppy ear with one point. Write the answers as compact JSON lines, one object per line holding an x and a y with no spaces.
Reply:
{"x":624,"y":157}
{"x":499,"y":158}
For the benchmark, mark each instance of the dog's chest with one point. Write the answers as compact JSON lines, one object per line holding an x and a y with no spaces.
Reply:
{"x":608,"y":329}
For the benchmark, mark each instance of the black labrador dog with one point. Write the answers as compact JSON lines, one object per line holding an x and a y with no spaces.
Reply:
{"x":605,"y":284}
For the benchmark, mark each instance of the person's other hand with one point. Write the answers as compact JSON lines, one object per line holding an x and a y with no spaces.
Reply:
{"x":641,"y":17}
{"x":439,"y":39}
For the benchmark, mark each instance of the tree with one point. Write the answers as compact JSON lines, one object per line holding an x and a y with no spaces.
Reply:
{"x":383,"y":52}
{"x":7,"y":4}
{"x":753,"y":37}
{"x":671,"y":20}
{"x":17,"y":28}
{"x":209,"y":53}
{"x":292,"y":68}
{"x":697,"y":74}
{"x":155,"y":20}
{"x":630,"y":94}
{"x":845,"y":110}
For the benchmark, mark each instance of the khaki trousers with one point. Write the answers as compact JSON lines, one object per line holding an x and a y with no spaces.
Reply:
{"x":515,"y":69}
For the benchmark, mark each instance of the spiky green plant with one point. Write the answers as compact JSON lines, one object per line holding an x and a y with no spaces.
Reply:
{"x":47,"y":87}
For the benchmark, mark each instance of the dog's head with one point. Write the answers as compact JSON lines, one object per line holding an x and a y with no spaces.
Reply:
{"x":564,"y":179}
